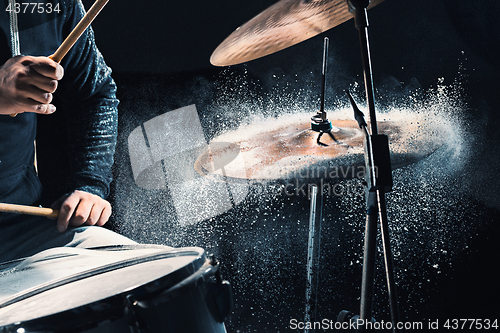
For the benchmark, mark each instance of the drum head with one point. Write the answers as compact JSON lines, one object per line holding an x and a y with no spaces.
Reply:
{"x":80,"y":285}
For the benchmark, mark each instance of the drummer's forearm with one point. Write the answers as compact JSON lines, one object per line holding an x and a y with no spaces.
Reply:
{"x":92,"y":150}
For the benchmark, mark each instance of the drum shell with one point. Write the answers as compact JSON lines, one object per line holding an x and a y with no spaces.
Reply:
{"x":181,"y":301}
{"x":194,"y":311}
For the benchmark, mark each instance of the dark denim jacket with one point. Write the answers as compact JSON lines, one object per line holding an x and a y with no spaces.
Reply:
{"x":87,"y":90}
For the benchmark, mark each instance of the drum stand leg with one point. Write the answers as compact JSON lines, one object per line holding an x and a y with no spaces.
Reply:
{"x":313,"y":254}
{"x":379,"y":181}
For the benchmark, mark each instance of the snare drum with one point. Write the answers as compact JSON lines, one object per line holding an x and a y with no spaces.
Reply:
{"x":133,"y":288}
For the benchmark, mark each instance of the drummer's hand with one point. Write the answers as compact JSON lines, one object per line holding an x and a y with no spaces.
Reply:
{"x":81,"y":208}
{"x":27,"y":84}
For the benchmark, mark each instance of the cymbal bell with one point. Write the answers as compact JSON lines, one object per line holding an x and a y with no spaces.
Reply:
{"x":282,"y":25}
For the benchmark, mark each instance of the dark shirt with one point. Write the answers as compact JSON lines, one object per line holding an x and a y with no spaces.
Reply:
{"x":89,"y":96}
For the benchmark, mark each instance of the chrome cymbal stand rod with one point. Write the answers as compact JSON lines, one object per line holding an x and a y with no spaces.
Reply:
{"x":323,"y":79}
{"x":379,"y":181}
{"x":319,"y":122}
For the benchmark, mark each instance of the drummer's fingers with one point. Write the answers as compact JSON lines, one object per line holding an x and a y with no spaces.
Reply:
{"x":35,"y":78}
{"x":35,"y":93}
{"x":96,"y":214}
{"x":66,"y":211}
{"x":29,"y":105}
{"x":47,"y":67}
{"x":42,"y":83}
{"x":82,"y":213}
{"x":100,"y":214}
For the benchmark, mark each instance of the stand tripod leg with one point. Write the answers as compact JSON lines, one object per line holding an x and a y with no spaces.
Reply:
{"x":319,"y":137}
{"x":332,"y":136}
{"x":389,"y":266}
{"x":376,"y":206}
{"x":369,"y":257}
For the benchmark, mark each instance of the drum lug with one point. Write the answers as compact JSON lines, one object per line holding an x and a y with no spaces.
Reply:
{"x":136,"y":323}
{"x":223,"y":295}
{"x":222,"y":292}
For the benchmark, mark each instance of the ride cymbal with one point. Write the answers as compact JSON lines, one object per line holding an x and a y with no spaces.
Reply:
{"x":282,"y":25}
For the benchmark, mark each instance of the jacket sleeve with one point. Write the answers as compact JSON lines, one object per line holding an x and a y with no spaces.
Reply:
{"x":90,"y":104}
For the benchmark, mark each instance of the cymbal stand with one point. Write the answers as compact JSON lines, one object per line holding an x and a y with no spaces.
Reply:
{"x":319,"y":122}
{"x":322,"y":125}
{"x":379,"y":180}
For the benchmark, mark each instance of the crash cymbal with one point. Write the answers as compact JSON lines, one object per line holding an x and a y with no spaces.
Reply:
{"x":284,"y":24}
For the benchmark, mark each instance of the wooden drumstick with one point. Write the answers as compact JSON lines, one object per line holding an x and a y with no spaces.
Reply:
{"x":77,"y":32}
{"x":29,"y":210}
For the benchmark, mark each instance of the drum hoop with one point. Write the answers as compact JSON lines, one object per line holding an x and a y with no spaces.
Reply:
{"x":202,"y":275}
{"x":93,"y":272}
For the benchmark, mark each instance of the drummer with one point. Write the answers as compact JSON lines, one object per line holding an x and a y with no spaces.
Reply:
{"x":27,"y":87}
